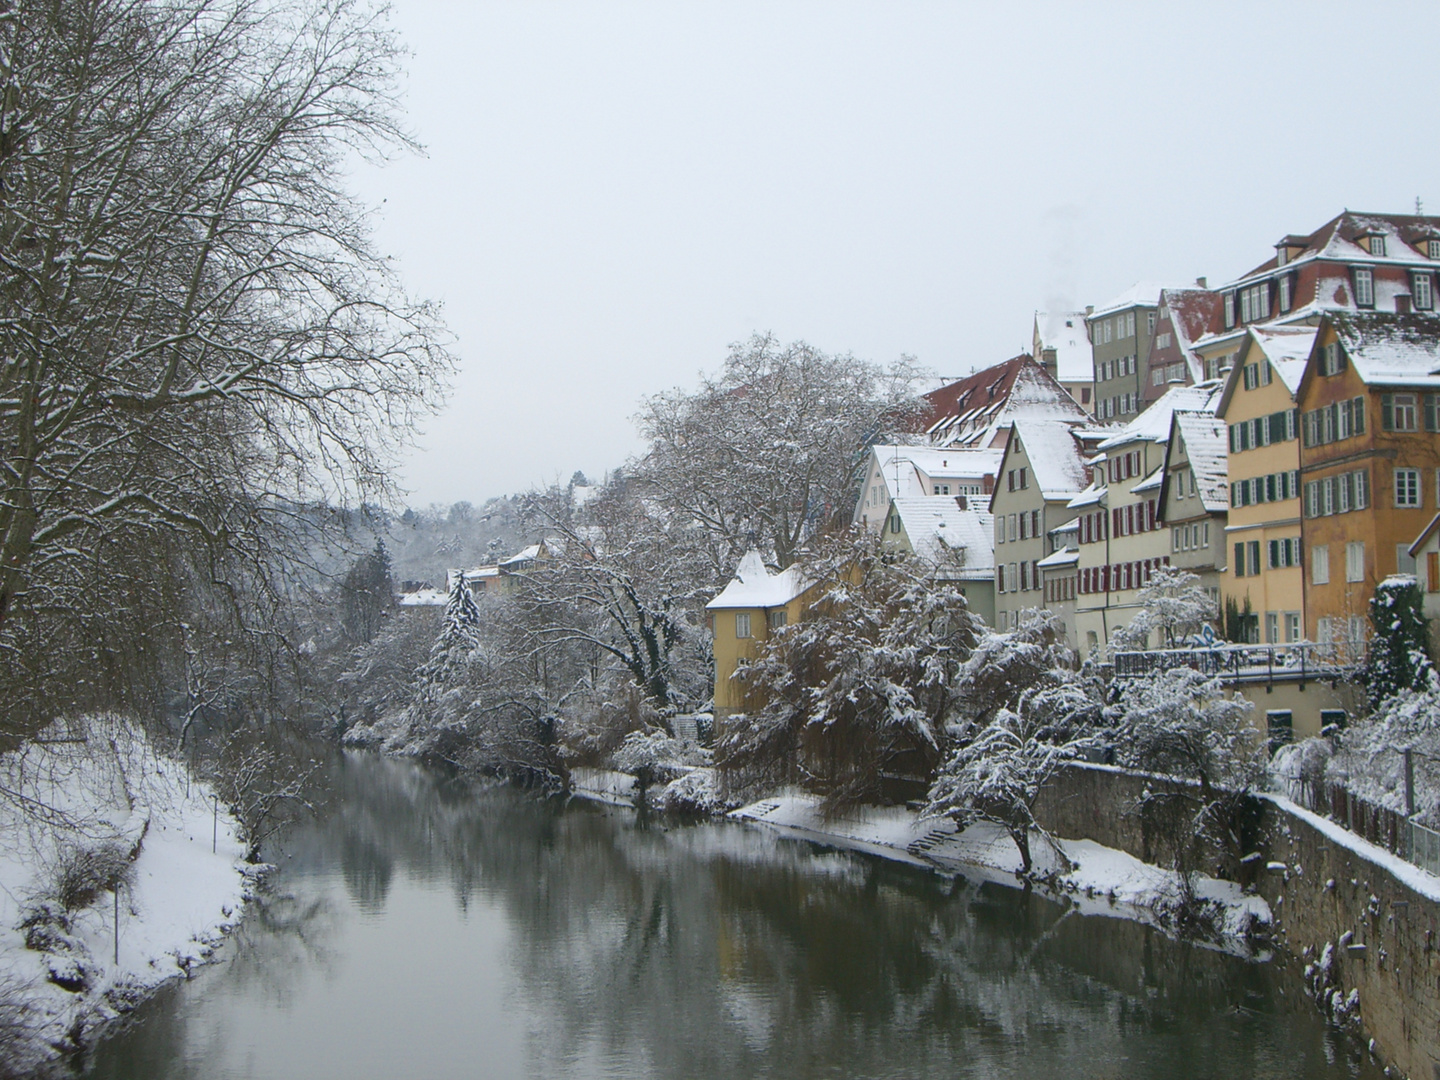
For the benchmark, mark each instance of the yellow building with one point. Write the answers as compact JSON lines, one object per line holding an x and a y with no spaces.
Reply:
{"x":1261,"y":587}
{"x":743,"y":616}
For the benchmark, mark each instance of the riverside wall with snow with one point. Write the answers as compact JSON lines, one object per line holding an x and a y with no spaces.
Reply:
{"x":1366,"y":922}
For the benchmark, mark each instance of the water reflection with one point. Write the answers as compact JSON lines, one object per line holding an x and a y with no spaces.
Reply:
{"x":430,"y":928}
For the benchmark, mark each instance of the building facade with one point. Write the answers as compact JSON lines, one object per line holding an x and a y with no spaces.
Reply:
{"x":1120,"y":336}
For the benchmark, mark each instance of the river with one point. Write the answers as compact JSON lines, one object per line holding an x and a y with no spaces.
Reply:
{"x":426,"y":927}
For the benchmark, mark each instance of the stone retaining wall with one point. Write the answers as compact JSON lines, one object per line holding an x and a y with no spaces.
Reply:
{"x":1378,"y":915}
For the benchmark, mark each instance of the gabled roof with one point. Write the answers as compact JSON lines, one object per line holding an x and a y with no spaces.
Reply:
{"x":1425,"y":535}
{"x":1064,"y":331}
{"x":1154,"y":423}
{"x":755,"y":587}
{"x":1066,"y":556}
{"x":1386,"y":349}
{"x":939,"y":530}
{"x":1287,"y":348}
{"x":1152,"y":482}
{"x":1057,"y":459}
{"x":970,"y":411}
{"x":1207,"y":447}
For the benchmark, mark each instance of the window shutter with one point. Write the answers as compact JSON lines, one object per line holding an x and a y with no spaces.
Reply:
{"x":1291,"y":417}
{"x":1234,"y":438}
{"x":1239,"y":560}
{"x":1430,"y":424}
{"x":1387,"y":412}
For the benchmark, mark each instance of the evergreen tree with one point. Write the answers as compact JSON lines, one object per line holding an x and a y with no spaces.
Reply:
{"x":368,"y":592}
{"x":1399,"y":656}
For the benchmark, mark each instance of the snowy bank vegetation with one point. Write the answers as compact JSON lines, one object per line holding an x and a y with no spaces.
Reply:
{"x":98,"y":825}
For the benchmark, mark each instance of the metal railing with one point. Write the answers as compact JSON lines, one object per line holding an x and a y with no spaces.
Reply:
{"x":1244,"y":663}
{"x":1392,"y":830}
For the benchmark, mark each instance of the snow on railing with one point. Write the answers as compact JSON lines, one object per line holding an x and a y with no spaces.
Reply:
{"x":1390,"y":829}
{"x":1243,"y":663}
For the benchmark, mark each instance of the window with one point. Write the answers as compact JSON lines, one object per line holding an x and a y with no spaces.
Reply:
{"x":1279,"y":728}
{"x":1012,"y":530}
{"x":1336,"y":717}
{"x":1229,"y":310}
{"x":1332,"y":359}
{"x":895,"y":525}
{"x":1150,"y":322}
{"x":1272,"y":628}
{"x":1364,"y":287}
{"x":1377,"y":246}
{"x":1024,"y":526}
{"x":1399,"y":412}
{"x":1285,"y":287}
{"x":1014,"y":577}
{"x":1255,"y":302}
{"x":1407,"y":487}
{"x":1024,"y":479}
{"x":1432,"y":248}
{"x":1252,"y":376}
{"x":1284,"y":553}
{"x":1320,"y":564}
{"x":1355,"y":560}
{"x":1105,"y":328}
{"x":742,"y":624}
{"x":1162,"y":341}
{"x":942,"y":489}
{"x":1000,"y":530}
{"x":1404,"y":561}
{"x":777,"y":619}
{"x":1292,"y":626}
{"x":1157,"y":376}
{"x":1422,"y":290}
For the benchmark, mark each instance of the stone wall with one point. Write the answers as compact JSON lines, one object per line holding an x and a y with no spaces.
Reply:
{"x":1378,"y":915}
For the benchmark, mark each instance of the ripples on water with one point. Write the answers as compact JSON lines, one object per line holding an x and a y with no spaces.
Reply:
{"x":429,"y":928}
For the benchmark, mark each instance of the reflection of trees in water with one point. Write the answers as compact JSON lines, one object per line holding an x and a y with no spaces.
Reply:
{"x":646,"y":948}
{"x":657,"y":949}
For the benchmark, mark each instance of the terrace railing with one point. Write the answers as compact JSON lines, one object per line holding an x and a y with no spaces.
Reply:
{"x":1245,"y":663}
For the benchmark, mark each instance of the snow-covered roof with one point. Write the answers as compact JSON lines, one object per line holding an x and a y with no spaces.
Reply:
{"x":1425,"y":535}
{"x":1064,"y":557}
{"x":1142,"y":292}
{"x":528,"y":554}
{"x":753,"y":586}
{"x":1206,"y":445}
{"x":1064,"y":331}
{"x":905,"y":469}
{"x":1338,"y":241}
{"x":1057,"y":460}
{"x":1391,"y":350}
{"x":1154,"y":423}
{"x":423,"y":598}
{"x":1287,"y":348}
{"x":936,"y":526}
{"x":1151,"y":482}
{"x":976,"y":409}
{"x":1089,"y":497}
{"x":1192,"y":312}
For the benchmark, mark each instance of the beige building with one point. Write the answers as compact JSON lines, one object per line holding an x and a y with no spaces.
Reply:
{"x":895,"y":472}
{"x":1261,"y":589}
{"x":1121,"y":538}
{"x":1194,"y":499}
{"x":1043,"y":469}
{"x":955,"y":538}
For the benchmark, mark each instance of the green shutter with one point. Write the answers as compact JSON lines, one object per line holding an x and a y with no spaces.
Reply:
{"x":1387,"y":412}
{"x":1240,"y":560}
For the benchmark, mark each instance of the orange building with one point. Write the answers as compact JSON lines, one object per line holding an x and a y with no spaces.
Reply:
{"x":1369,"y":406}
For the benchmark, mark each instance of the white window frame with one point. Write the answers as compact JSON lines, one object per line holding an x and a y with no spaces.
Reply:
{"x":1407,"y":488}
{"x":1364,"y":287}
{"x":1320,"y":564}
{"x":1355,"y":561}
{"x":1424,"y":292}
{"x":742,"y":625}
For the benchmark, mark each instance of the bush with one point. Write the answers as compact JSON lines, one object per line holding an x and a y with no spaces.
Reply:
{"x":82,"y":874}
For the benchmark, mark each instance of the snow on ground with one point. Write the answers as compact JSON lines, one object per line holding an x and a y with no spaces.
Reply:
{"x":99,"y":786}
{"x":1102,"y":880}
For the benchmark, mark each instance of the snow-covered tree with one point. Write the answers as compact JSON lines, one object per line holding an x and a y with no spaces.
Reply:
{"x":1174,"y":607}
{"x":862,"y":686}
{"x":1399,"y":654}
{"x":1181,"y":723}
{"x":1369,"y":757}
{"x":1005,"y":666}
{"x":367,"y":594}
{"x":770,"y":450}
{"x":997,"y":774}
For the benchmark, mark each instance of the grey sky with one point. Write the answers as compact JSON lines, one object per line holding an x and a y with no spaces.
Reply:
{"x":614,"y":192}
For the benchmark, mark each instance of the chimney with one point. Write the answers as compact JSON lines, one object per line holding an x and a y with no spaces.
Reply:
{"x":1047,"y":358}
{"x":1200,"y":283}
{"x":1089,"y":309}
{"x":961,"y":502}
{"x":1402,"y":303}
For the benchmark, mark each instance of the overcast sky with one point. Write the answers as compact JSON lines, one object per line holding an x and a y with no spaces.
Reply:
{"x":612,"y":193}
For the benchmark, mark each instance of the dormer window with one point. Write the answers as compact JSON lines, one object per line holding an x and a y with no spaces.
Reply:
{"x":1286,"y":286}
{"x":1229,"y":310}
{"x":1432,"y":248}
{"x":1377,"y":245}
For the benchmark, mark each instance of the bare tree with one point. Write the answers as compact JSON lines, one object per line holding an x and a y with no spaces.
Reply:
{"x":196,"y":338}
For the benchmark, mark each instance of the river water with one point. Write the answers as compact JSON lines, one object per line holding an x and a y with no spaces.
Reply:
{"x":426,"y":927}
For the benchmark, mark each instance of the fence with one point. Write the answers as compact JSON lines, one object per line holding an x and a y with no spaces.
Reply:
{"x":1382,"y":826}
{"x":1242,"y":663}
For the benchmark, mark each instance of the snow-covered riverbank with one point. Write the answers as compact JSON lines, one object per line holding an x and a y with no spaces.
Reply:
{"x":83,"y":808}
{"x":1100,"y":881}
